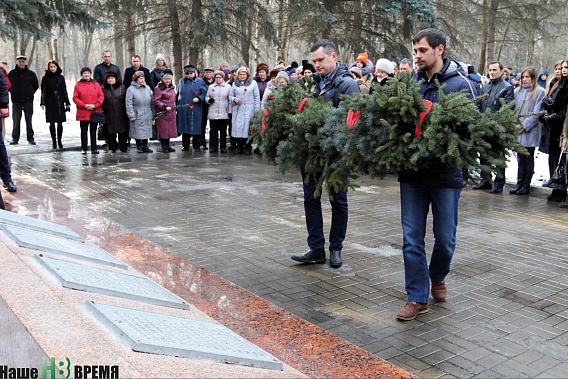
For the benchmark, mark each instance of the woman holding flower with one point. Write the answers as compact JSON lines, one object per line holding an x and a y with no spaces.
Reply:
{"x":190,"y":98}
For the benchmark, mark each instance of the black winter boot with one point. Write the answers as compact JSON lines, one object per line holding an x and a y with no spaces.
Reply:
{"x":145,"y":147}
{"x":139,"y":146}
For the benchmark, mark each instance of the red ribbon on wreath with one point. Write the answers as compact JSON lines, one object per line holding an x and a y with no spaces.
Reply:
{"x":418,"y":129}
{"x":264,"y":118}
{"x":352,"y":118}
{"x":302,"y":103}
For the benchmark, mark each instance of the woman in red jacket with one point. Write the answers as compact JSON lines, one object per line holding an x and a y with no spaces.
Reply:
{"x":88,"y":96}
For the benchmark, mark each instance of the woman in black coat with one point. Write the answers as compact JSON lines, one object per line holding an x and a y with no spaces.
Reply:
{"x":54,"y":100}
{"x":555,"y":104}
{"x":114,"y":107}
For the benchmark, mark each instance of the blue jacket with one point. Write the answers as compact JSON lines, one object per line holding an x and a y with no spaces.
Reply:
{"x":341,"y":82}
{"x":439,"y":175}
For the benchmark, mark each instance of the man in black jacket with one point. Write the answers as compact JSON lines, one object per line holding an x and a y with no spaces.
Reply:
{"x":332,"y":79}
{"x":136,"y":66}
{"x":102,"y":68}
{"x":5,"y":172}
{"x":24,"y":85}
{"x":497,"y":89}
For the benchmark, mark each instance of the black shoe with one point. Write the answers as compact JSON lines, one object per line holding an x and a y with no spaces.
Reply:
{"x":248,"y":151}
{"x":60,"y":145}
{"x":185,"y":148}
{"x":171,"y":149}
{"x":54,"y":146}
{"x":526,"y":190}
{"x":496,"y":189}
{"x":10,"y":186}
{"x":483,"y":185}
{"x":140,"y":150}
{"x":204,"y":147}
{"x":14,"y":143}
{"x":197,"y":149}
{"x":94,"y":152}
{"x":335,"y":258}
{"x":231,"y":147}
{"x":146,"y":149}
{"x":213,"y":150}
{"x":516,"y":189}
{"x":238,"y":150}
{"x":224,"y":151}
{"x":32,"y":143}
{"x":311,"y":257}
{"x":548,"y":183}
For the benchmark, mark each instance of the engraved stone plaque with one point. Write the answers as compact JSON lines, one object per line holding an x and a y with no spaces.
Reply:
{"x":27,"y":222}
{"x":61,"y":246}
{"x":91,"y":279}
{"x":151,"y":332}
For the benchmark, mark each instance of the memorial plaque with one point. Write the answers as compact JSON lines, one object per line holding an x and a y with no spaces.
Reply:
{"x":92,"y":279}
{"x":27,"y":222}
{"x":150,"y":332}
{"x":61,"y":246}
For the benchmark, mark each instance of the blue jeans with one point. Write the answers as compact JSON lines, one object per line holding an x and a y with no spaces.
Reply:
{"x":415,"y":204}
{"x":314,"y":218}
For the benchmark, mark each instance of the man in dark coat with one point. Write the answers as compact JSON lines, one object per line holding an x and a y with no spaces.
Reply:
{"x":332,"y":79}
{"x":496,"y":90}
{"x":136,"y":66}
{"x":439,"y":186}
{"x":24,"y":85}
{"x":5,"y":171}
{"x":102,"y":68}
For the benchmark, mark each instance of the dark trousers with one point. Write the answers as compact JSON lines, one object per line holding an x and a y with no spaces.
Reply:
{"x":186,"y":139}
{"x":553,"y":162}
{"x":499,"y":179}
{"x":56,"y":135}
{"x":218,"y":127}
{"x":85,"y":125}
{"x":113,"y":145}
{"x":526,"y":168}
{"x":314,"y":218}
{"x":28,"y":109}
{"x":204,"y":124}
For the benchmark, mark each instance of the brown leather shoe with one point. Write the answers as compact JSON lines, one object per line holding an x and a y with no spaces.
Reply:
{"x":439,"y":291}
{"x":411,"y":310}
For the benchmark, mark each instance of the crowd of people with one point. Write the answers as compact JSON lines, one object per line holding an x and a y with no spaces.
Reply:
{"x":145,"y":104}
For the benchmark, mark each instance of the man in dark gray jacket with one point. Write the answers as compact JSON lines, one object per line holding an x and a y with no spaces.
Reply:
{"x":24,"y":85}
{"x":332,"y":79}
{"x":497,"y":89}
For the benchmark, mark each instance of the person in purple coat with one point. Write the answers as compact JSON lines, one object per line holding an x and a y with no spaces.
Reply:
{"x":165,"y":101}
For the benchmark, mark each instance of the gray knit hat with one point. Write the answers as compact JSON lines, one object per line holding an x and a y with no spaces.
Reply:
{"x":283,"y":74}
{"x":137,"y":74}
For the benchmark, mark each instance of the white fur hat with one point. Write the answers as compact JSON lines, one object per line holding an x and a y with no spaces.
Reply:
{"x":385,"y":65}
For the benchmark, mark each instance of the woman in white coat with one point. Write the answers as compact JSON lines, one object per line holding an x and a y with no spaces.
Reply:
{"x":140,"y":111}
{"x":245,"y":97}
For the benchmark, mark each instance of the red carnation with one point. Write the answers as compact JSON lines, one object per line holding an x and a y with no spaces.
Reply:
{"x":270,"y":97}
{"x":191,"y":107}
{"x":245,"y":89}
{"x":196,"y":93}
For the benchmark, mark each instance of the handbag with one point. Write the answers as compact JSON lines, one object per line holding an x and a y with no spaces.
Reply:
{"x":101,"y":132}
{"x":98,"y":117}
{"x":559,"y":176}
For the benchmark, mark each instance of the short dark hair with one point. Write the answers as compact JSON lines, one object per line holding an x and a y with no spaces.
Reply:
{"x":135,"y":56}
{"x":434,"y":37}
{"x":496,"y":62}
{"x":328,"y":46}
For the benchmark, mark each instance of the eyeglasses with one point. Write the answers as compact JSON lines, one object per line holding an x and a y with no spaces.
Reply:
{"x":189,"y":72}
